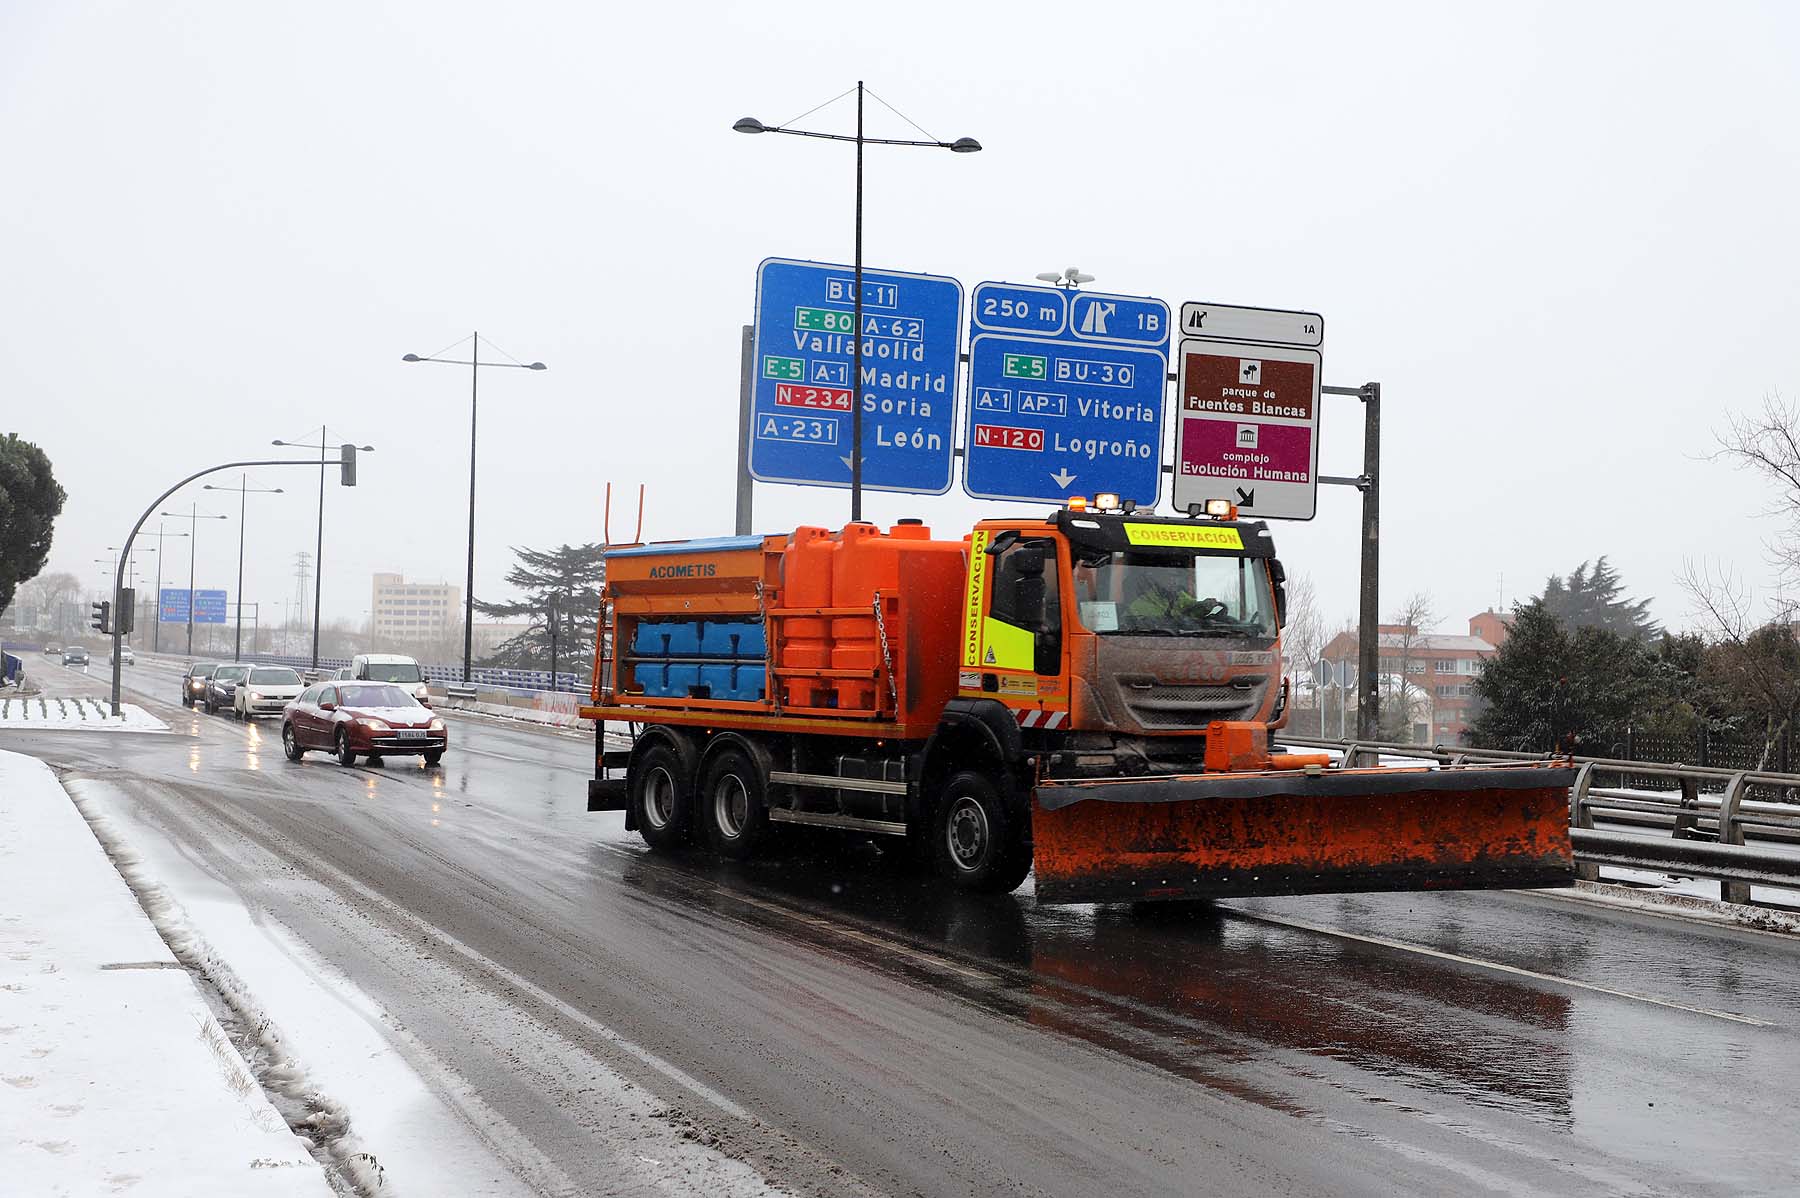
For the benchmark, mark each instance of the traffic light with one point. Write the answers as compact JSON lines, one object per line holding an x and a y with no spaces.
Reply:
{"x":127,"y":610}
{"x":347,"y":459}
{"x":102,"y":615}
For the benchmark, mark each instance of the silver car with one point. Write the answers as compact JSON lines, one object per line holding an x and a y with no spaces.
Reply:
{"x":266,"y":690}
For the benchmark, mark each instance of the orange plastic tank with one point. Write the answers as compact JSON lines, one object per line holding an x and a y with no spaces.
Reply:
{"x":806,"y":640}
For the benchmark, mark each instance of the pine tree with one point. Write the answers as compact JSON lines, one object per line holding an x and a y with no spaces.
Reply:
{"x":1593,"y":597}
{"x":567,"y":581}
{"x":1555,"y":687}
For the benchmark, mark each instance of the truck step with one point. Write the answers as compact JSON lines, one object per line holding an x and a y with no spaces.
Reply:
{"x":821,"y":819}
{"x":835,"y":782}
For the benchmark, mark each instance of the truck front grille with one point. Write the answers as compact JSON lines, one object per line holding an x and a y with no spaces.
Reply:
{"x":1157,"y":706}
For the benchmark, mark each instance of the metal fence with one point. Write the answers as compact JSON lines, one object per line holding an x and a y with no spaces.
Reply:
{"x":1700,"y":821}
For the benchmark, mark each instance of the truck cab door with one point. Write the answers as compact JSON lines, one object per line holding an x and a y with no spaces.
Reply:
{"x":1020,"y":628}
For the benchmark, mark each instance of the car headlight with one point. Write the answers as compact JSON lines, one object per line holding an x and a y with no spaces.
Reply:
{"x":254,"y":697}
{"x":436,"y":726}
{"x":375,"y":725}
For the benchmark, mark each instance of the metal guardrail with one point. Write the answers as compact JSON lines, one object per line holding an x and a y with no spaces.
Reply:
{"x":1719,"y":834}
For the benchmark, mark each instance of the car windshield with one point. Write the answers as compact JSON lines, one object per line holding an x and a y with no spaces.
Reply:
{"x":228,"y":673}
{"x":275,"y":676}
{"x":376,"y":696}
{"x":393,"y":671}
{"x":1144,"y":594}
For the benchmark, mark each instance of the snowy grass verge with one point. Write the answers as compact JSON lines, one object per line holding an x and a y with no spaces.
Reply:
{"x":75,"y":712}
{"x":321,"y":1122}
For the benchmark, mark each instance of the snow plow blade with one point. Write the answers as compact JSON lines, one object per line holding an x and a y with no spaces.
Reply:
{"x":1290,"y":832}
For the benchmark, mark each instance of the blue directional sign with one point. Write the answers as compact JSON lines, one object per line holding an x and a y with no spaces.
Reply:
{"x":1065,"y":394}
{"x":800,"y":428}
{"x":209,"y":607}
{"x":172,"y":606}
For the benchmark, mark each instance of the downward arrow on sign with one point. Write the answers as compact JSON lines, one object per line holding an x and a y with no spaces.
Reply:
{"x":1246,"y":498}
{"x":846,"y":461}
{"x":1063,"y":478}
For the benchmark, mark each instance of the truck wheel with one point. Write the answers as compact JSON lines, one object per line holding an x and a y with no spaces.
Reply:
{"x":662,"y":798}
{"x":978,"y":846}
{"x":733,"y":808}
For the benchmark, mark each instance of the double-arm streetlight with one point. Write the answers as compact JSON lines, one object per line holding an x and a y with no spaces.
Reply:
{"x":474,"y":363}
{"x":962,"y":145}
{"x":193,"y":516}
{"x":319,"y":547}
{"x":243,"y":489}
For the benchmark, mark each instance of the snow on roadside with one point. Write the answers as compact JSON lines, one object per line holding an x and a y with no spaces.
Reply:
{"x":75,"y":712}
{"x":430,"y":1125}
{"x":114,"y":1074}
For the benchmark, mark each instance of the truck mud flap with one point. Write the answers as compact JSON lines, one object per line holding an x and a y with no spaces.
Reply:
{"x":1205,"y":836}
{"x":606,"y":794}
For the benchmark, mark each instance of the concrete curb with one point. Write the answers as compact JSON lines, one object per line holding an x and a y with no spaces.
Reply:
{"x":1681,"y":906}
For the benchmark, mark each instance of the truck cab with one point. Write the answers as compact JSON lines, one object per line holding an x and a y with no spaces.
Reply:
{"x":1125,"y":635}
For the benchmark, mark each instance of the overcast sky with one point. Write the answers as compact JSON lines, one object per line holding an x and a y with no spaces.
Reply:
{"x":1561,"y":236}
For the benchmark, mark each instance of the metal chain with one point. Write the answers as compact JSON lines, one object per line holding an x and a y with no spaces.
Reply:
{"x":887,"y":659}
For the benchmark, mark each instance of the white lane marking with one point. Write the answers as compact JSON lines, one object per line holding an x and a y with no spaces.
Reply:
{"x":669,"y":1070}
{"x":1496,"y":966}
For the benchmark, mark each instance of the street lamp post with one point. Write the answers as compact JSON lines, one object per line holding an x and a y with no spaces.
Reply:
{"x":193,"y":517}
{"x":319,"y":546}
{"x":244,"y":489}
{"x":474,"y":363}
{"x":962,"y":145}
{"x":156,"y":624}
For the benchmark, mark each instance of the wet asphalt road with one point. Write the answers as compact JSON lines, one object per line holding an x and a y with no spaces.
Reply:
{"x":883,"y":1036}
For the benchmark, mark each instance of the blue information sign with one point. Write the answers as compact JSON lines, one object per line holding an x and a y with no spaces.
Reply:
{"x":1065,"y":394}
{"x":801,"y":406}
{"x":209,"y":607}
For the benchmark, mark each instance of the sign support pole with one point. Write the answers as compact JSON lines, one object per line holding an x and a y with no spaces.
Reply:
{"x":856,"y":420}
{"x":746,"y":400}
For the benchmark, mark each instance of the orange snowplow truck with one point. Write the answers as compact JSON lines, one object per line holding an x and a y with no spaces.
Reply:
{"x":1092,"y":694}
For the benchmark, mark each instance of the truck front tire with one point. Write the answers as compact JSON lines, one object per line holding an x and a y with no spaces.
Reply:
{"x":662,"y":798}
{"x":733,"y":805}
{"x":977,"y":841}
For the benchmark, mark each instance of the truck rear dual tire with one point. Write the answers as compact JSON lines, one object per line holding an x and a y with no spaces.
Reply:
{"x":733,"y":808}
{"x":976,"y":837}
{"x":662,"y":798}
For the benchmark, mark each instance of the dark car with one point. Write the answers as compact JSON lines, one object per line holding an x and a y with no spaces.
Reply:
{"x":221,"y":688}
{"x":370,"y":719}
{"x":193,"y":683}
{"x":75,"y":655}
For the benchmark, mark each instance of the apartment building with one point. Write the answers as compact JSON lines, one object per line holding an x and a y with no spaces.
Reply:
{"x":401,"y":610}
{"x":1439,"y":667}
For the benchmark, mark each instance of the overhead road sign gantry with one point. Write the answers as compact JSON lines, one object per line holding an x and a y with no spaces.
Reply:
{"x":801,"y":405}
{"x":1065,"y":394}
{"x":1248,"y":384}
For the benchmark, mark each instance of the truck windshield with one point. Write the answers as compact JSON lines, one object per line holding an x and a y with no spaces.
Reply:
{"x":393,"y":671}
{"x":1146,"y":594}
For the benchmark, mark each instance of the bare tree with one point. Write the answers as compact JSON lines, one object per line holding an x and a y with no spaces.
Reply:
{"x":1405,"y":700}
{"x":1768,"y":442}
{"x":1757,"y":662}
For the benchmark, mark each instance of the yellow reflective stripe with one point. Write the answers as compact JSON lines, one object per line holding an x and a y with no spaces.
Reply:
{"x":1007,"y":648}
{"x":1196,"y":536}
{"x":978,"y":560}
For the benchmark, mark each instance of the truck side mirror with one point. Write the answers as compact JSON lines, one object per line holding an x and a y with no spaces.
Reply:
{"x":1278,"y":574}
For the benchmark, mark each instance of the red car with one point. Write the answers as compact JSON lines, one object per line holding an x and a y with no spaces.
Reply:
{"x":369,"y":719}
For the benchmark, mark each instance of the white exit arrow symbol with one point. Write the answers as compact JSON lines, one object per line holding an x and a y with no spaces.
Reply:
{"x":1063,"y":478}
{"x":846,"y":462}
